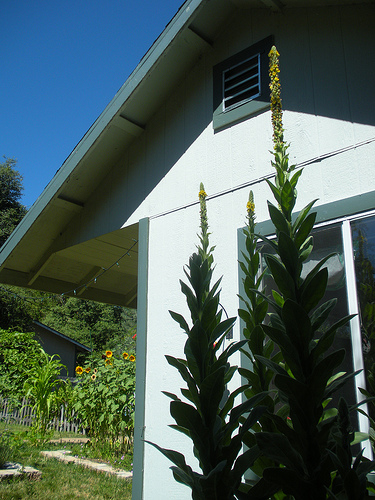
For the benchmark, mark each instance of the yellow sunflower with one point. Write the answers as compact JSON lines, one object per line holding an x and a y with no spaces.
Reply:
{"x":109,"y":354}
{"x":125,"y":355}
{"x":132,"y":358}
{"x":108,"y":362}
{"x":87,"y":369}
{"x":79,"y":370}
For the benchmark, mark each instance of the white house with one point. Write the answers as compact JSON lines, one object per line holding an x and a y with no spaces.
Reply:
{"x":119,"y":219}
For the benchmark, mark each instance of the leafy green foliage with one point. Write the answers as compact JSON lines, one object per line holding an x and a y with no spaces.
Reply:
{"x":253,"y":313}
{"x":312,"y":448}
{"x":19,"y":308}
{"x":11,"y":210}
{"x":104,"y":326}
{"x":103,"y":400}
{"x":19,"y":353}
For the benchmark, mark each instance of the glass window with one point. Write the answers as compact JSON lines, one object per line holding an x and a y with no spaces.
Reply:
{"x":363,"y":235}
{"x":328,"y":240}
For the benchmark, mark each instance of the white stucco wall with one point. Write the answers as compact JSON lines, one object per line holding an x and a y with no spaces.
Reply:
{"x":181,"y":143}
{"x":326,"y":115}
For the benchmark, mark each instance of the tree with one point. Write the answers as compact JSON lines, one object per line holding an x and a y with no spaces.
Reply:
{"x":20,"y":307}
{"x":93,"y":323}
{"x":11,"y":187}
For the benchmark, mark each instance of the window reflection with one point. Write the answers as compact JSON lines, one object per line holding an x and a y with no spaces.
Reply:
{"x":328,"y":240}
{"x":363,"y":233}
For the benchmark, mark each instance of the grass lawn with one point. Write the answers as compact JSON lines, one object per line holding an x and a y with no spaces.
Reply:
{"x":60,"y":481}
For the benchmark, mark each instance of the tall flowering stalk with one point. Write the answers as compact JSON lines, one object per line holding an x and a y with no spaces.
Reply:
{"x":284,"y":188}
{"x":254,"y":310}
{"x":206,"y":411}
{"x":276,"y":107}
{"x":312,"y":452}
{"x":204,"y":249}
{"x":255,"y":374}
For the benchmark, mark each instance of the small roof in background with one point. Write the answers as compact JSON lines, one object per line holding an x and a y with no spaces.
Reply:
{"x":79,"y":346}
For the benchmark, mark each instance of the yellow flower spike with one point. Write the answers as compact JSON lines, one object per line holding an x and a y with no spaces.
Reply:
{"x":250,"y":208}
{"x":204,"y":236}
{"x":276,"y":108}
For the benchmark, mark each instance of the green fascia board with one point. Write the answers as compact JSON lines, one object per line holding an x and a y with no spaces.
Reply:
{"x":140,"y":375}
{"x":223,"y":119}
{"x":157,"y":50}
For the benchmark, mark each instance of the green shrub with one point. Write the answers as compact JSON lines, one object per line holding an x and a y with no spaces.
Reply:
{"x":19,"y":353}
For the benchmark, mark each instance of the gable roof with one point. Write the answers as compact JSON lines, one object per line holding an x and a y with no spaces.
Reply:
{"x":34,"y":256}
{"x":80,"y":346}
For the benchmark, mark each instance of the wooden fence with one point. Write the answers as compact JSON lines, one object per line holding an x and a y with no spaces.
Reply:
{"x":23,"y":415}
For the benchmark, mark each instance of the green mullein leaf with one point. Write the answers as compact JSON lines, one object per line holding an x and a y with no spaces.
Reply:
{"x":288,"y":200}
{"x":274,"y":190}
{"x":306,"y":249}
{"x":314,"y":291}
{"x":278,"y":298}
{"x":314,"y":271}
{"x":321,"y":313}
{"x":304,"y":230}
{"x":289,"y":255}
{"x":278,"y":219}
{"x":295,"y":177}
{"x":327,"y":338}
{"x":298,"y":325}
{"x":256,"y":340}
{"x":180,"y":320}
{"x":170,"y":395}
{"x":302,"y":215}
{"x":338,"y":383}
{"x":277,"y":447}
{"x":211,"y":393}
{"x":323,"y":371}
{"x":275,"y":367}
{"x":185,"y":375}
{"x":281,"y":276}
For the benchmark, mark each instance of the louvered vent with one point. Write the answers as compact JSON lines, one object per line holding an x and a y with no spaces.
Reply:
{"x":241,"y":82}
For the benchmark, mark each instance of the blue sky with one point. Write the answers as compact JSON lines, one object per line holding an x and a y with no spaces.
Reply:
{"x":61,"y":64}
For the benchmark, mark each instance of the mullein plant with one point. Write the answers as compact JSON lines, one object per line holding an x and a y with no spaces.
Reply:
{"x":312,"y":448}
{"x":257,"y":376}
{"x":207,"y":414}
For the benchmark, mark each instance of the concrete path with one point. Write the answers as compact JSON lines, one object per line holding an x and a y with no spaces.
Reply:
{"x":64,"y":455}
{"x":13,"y":469}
